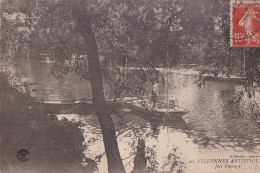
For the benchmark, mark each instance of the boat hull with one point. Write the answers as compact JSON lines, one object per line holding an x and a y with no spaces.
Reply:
{"x":155,"y":114}
{"x":84,"y":108}
{"x":227,"y":79}
{"x":58,"y":108}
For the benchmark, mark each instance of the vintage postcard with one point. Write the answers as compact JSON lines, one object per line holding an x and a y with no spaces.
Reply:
{"x":129,"y":86}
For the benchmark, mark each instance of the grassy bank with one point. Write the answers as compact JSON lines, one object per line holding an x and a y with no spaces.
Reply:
{"x":54,"y":146}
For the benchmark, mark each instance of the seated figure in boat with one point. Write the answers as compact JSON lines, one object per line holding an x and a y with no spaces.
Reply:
{"x":154,"y":96}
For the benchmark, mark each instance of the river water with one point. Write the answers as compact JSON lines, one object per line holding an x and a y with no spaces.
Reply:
{"x":210,"y":130}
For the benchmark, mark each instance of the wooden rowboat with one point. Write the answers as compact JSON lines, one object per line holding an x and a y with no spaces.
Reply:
{"x":142,"y":108}
{"x":139,"y":107}
{"x":66,"y":108}
{"x":226,"y":79}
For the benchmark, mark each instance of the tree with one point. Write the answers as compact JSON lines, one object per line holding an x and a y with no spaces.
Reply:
{"x":83,"y":25}
{"x":43,"y":24}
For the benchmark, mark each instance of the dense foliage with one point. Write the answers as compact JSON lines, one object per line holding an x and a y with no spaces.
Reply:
{"x":23,"y":126}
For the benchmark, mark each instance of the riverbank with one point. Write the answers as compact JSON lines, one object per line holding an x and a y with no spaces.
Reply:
{"x":52,"y":145}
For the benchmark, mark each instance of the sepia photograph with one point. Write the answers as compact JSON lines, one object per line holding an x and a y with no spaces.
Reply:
{"x":129,"y":86}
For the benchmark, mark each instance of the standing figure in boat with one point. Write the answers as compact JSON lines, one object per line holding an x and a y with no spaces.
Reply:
{"x":154,"y":96}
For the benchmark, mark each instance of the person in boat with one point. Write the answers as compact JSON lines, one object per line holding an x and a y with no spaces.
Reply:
{"x":155,"y":94}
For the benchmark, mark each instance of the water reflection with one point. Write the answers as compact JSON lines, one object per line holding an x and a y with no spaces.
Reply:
{"x":47,"y":87}
{"x":158,"y":139}
{"x":210,"y":115}
{"x":210,"y":127}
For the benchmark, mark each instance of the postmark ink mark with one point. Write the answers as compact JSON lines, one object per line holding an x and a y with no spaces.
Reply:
{"x":22,"y":155}
{"x":245,"y":23}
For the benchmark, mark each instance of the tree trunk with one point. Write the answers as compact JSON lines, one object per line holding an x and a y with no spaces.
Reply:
{"x":1,"y":27}
{"x":115,"y":164}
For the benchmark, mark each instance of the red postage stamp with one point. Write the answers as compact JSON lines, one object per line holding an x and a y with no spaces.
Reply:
{"x":245,"y":23}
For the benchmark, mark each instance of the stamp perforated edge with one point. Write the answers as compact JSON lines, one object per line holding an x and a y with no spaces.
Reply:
{"x":231,"y":20}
